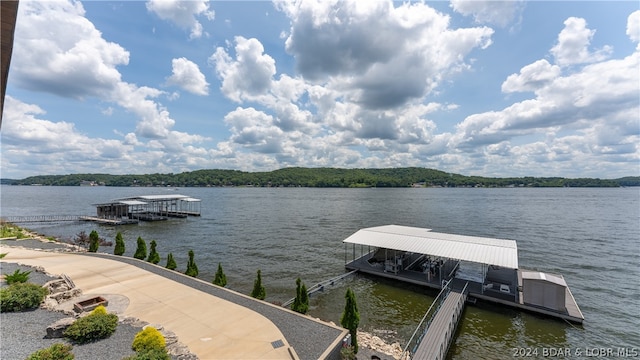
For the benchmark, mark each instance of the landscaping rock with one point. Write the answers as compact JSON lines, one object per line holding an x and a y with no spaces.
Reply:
{"x":56,"y":330}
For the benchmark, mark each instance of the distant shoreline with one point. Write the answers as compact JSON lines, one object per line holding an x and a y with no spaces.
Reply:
{"x":318,"y":178}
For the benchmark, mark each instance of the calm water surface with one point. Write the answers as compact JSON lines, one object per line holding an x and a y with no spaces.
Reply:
{"x":591,"y":236}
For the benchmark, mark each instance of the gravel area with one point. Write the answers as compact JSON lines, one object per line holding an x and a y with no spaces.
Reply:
{"x":308,"y":337}
{"x":23,"y":333}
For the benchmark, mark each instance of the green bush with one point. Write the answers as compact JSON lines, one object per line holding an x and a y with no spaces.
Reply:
{"x":141,"y":250}
{"x":95,"y":326}
{"x":94,"y":241}
{"x":119,"y":248}
{"x":17,"y":277}
{"x":220,"y":278}
{"x":258,"y":291}
{"x":154,"y":257}
{"x":192,"y":268}
{"x":148,"y":339}
{"x":171,"y":262}
{"x":54,"y":352}
{"x":149,"y":344}
{"x":21,"y":296}
{"x":155,"y":354}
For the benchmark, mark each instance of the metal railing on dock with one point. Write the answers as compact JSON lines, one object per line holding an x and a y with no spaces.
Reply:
{"x":321,"y":286}
{"x":433,"y":336}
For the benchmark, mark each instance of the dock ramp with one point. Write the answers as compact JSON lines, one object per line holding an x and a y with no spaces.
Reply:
{"x":438,"y":326}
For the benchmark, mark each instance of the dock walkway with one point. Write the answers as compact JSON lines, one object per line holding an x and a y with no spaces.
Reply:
{"x":439,"y":334}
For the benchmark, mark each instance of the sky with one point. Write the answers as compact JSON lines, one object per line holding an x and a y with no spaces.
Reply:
{"x":485,"y":88}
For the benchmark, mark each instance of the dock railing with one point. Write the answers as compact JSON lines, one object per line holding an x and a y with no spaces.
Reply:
{"x":424,"y":323}
{"x":321,"y":286}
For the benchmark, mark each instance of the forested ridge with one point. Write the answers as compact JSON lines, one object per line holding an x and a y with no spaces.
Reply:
{"x":319,"y":177}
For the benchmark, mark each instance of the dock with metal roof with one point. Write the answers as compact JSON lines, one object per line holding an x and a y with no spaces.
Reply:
{"x":146,"y":208}
{"x":423,"y":257}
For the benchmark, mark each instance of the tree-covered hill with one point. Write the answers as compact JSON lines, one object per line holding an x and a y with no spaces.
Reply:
{"x":319,"y":177}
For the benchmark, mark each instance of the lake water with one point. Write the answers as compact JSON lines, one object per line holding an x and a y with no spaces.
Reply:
{"x":590,"y":236}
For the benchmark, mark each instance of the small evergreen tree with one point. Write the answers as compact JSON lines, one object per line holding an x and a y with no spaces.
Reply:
{"x":119,"y":248}
{"x":304,"y":299}
{"x":154,"y":257}
{"x":192,"y":268}
{"x":171,"y":263}
{"x":220,"y":278}
{"x":141,"y":250}
{"x":94,"y":241}
{"x":301,"y":302}
{"x":258,"y":291}
{"x":351,"y":318}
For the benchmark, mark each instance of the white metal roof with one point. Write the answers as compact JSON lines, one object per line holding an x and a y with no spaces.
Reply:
{"x":190,"y":199}
{"x":132,"y":202}
{"x":423,"y":241}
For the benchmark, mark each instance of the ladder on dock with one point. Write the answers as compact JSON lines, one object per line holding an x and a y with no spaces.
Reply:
{"x":436,"y":330}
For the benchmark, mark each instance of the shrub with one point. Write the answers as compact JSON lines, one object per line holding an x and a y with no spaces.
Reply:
{"x":155,"y":354}
{"x":301,"y":302}
{"x":17,"y":277}
{"x":220,"y":278}
{"x":351,"y":318}
{"x":192,"y":268}
{"x":21,"y":296}
{"x":54,"y":352}
{"x":154,"y":257}
{"x":119,"y":248}
{"x":94,"y":241}
{"x":258,"y":291}
{"x":3,"y":255}
{"x":141,"y":250}
{"x":171,"y":262}
{"x":95,"y":326}
{"x":149,"y":344}
{"x":148,"y":339}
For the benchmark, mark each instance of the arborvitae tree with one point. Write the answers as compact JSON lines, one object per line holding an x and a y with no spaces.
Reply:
{"x":192,"y":268}
{"x":258,"y":291}
{"x":171,"y":263}
{"x":154,"y":257}
{"x":301,"y":302}
{"x":94,"y":241}
{"x":141,"y":250}
{"x":304,"y":299}
{"x":351,"y":318}
{"x":220,"y":278}
{"x":119,"y":248}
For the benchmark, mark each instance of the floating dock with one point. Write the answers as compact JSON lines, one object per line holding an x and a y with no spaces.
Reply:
{"x":422,"y":257}
{"x":146,"y":208}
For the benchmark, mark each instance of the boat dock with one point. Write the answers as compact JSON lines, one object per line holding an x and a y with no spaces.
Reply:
{"x":126,"y":211}
{"x":422,"y":257}
{"x":146,"y":208}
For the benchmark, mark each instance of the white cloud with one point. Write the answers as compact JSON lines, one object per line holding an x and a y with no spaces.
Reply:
{"x":633,"y":26}
{"x":186,"y":74}
{"x":249,"y":74}
{"x":58,"y":50}
{"x":182,"y":13}
{"x":499,"y":13}
{"x":573,"y":44}
{"x":333,"y":44}
{"x":50,"y":147}
{"x":531,"y":77}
